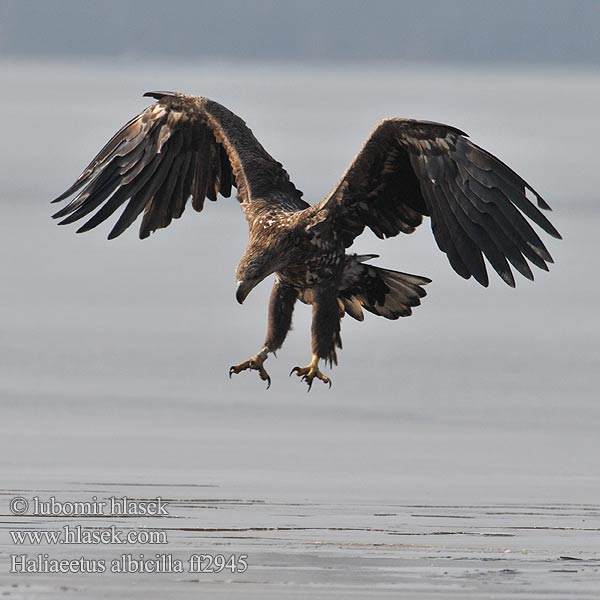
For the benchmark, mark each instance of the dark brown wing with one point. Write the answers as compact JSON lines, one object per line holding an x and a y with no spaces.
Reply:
{"x":179,"y":147}
{"x":478,"y":206}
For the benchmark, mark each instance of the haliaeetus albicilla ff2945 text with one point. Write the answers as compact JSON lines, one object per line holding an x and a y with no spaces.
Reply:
{"x":186,"y":146}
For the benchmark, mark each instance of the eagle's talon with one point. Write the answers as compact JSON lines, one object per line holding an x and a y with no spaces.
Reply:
{"x":254,"y":363}
{"x":310,"y":373}
{"x":265,"y":377}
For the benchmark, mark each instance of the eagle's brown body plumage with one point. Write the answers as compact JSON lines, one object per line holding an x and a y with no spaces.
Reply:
{"x":188,"y":146}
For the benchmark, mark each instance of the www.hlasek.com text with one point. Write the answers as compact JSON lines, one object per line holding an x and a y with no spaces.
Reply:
{"x":76,"y":534}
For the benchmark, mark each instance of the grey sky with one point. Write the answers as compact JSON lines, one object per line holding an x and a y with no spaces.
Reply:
{"x":511,"y":31}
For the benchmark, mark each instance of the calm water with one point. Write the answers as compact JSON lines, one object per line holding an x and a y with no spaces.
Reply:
{"x":457,"y":452}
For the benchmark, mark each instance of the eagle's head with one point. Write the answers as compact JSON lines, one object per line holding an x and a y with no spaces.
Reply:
{"x":254,"y":266}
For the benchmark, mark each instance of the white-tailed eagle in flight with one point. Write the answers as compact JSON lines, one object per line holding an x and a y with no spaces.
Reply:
{"x":184,"y":147}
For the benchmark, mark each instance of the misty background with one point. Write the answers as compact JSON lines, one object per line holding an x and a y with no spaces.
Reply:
{"x":561,"y":32}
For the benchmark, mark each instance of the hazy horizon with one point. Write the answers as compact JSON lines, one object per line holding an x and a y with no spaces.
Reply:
{"x":553,"y":32}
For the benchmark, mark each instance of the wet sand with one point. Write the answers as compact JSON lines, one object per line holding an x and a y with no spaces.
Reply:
{"x":323,"y":550}
{"x":457,"y":452}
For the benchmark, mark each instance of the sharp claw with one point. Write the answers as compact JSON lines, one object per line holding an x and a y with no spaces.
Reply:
{"x":309,"y":374}
{"x":264,"y":376}
{"x":255,"y":363}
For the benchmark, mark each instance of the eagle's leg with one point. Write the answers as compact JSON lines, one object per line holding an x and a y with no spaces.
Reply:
{"x":325,"y":333}
{"x":281,"y":308}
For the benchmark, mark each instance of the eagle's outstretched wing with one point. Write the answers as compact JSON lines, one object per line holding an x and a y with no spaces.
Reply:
{"x":178,"y":147}
{"x":477,"y":204}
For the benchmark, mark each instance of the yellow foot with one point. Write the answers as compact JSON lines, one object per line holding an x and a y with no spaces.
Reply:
{"x":255,"y":363}
{"x":308,"y":374}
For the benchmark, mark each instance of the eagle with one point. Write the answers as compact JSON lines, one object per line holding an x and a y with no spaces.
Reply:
{"x":184,"y":146}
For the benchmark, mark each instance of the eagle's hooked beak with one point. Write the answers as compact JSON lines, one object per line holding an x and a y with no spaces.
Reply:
{"x":244,"y":287}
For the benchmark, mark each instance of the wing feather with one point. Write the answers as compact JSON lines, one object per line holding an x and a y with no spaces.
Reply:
{"x":478,"y":206}
{"x":162,"y":201}
{"x":486,"y":226}
{"x":139,"y":200}
{"x":483,"y":232}
{"x":91,"y":198}
{"x":442,"y":230}
{"x":183,"y":183}
{"x":511,"y":221}
{"x":179,"y":147}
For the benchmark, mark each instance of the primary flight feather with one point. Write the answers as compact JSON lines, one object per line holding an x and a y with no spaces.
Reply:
{"x":184,"y":147}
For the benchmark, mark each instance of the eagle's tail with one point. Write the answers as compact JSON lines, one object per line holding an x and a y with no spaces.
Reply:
{"x":390,"y":294}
